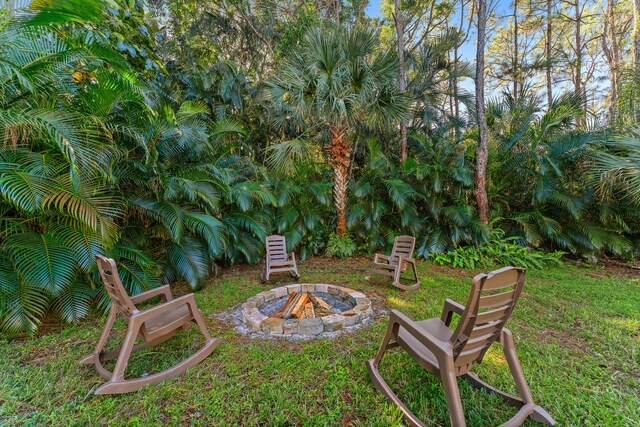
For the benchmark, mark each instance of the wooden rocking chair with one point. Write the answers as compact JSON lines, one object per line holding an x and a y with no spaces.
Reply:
{"x":277,"y":259}
{"x":395,"y":264}
{"x":449,"y":354}
{"x":155,"y":325}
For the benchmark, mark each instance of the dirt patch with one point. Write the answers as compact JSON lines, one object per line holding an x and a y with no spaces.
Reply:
{"x":609,"y":267}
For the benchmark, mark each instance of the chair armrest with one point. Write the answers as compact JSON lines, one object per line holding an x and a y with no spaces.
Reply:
{"x":377,"y":257}
{"x":162,"y":290}
{"x":293,"y":256}
{"x":402,"y":259}
{"x":167,"y":306}
{"x":438,"y":347}
{"x":450,"y":307}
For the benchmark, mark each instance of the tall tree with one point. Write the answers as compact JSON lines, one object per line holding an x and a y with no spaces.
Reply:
{"x":636,"y":35}
{"x":614,"y":32}
{"x":463,"y":35}
{"x":482,"y":152}
{"x":335,"y":83}
{"x":547,"y":51}
{"x":510,"y":60}
{"x":515,"y":65}
{"x":582,"y":33}
{"x":402,"y":80}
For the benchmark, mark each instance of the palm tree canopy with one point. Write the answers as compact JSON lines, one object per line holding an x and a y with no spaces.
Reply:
{"x":337,"y":77}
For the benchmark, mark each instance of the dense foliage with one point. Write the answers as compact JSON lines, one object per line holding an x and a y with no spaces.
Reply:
{"x":174,"y":141}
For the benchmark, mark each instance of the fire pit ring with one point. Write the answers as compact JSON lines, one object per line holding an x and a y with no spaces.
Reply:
{"x":351,"y":308}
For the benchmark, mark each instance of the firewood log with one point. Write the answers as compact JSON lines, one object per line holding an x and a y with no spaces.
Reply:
{"x":298,"y":307}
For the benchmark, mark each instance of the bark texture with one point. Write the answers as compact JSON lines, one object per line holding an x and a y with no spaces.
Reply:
{"x":516,"y":72}
{"x":636,"y":35}
{"x":402,"y":80}
{"x":482,"y":152}
{"x":339,"y":152}
{"x":547,"y":48}
{"x":611,"y":51}
{"x":577,"y":78}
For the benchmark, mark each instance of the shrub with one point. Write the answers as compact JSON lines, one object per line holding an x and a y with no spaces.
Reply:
{"x":499,"y":251}
{"x":340,"y":246}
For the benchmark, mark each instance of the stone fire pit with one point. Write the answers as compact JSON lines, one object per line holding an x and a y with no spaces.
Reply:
{"x":350,"y":309}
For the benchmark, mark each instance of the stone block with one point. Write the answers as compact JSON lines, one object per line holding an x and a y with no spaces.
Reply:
{"x":308,"y":287}
{"x":322,"y":288}
{"x":333,"y":322}
{"x":279,"y":292}
{"x":351,"y":317}
{"x":365,"y":311}
{"x":258,"y":300}
{"x":253,"y":318}
{"x":333,"y":290}
{"x":310,"y":327}
{"x":272,"y":325}
{"x":362,"y":302}
{"x":267,"y":295}
{"x":292,"y":288}
{"x":290,"y":326}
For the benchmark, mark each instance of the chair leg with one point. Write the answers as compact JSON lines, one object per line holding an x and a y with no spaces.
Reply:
{"x":199,"y":319}
{"x":396,"y":276}
{"x":524,"y":401}
{"x":452,"y":394}
{"x":125,"y":352}
{"x":538,"y":414}
{"x":381,"y":384}
{"x":391,"y":333}
{"x":414,"y":286}
{"x":415,"y":275}
{"x":108,"y":326}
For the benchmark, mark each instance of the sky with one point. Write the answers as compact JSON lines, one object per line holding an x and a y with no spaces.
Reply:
{"x":373,"y":8}
{"x":467,"y":51}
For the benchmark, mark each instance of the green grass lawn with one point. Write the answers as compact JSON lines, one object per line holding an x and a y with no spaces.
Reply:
{"x":577,"y":334}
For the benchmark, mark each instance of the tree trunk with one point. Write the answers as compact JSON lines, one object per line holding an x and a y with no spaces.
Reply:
{"x":577,"y":79}
{"x":482,"y":152}
{"x":402,"y":81}
{"x":548,"y":55}
{"x":635,"y":49}
{"x":456,"y":101}
{"x":635,"y":52}
{"x":611,"y":51}
{"x":339,"y":152}
{"x":515,"y":50}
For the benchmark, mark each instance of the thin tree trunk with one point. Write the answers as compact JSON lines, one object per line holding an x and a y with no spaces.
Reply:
{"x":611,"y":52}
{"x":636,"y":35}
{"x":578,"y":41}
{"x":635,"y":52}
{"x":402,"y":80}
{"x":548,"y":55}
{"x":339,"y":152}
{"x":456,"y":101}
{"x":482,"y":152}
{"x":515,"y":50}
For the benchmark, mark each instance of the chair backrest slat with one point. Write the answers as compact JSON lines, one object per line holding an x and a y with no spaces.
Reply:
{"x":111,"y":280}
{"x":491,"y":301}
{"x":496,"y":300}
{"x":276,"y":248}
{"x":403,"y":246}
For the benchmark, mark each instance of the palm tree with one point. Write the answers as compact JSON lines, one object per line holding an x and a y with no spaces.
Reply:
{"x":617,"y":166}
{"x":335,"y":81}
{"x":91,"y":164}
{"x":541,"y":171}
